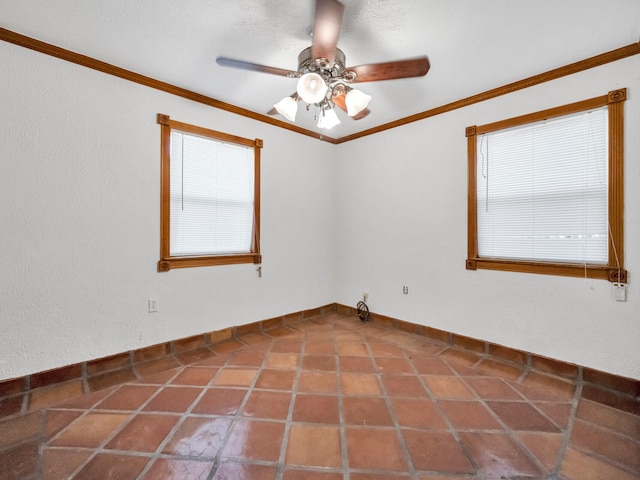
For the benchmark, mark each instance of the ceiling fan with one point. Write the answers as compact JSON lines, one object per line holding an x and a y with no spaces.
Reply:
{"x":323,"y":77}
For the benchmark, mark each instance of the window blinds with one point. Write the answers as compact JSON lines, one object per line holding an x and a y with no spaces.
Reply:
{"x":542,"y":190}
{"x":212,"y":185}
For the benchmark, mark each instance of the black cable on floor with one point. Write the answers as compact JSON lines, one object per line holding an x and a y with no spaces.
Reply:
{"x":363,"y":311}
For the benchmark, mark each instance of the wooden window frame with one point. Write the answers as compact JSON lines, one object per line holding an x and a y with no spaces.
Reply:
{"x":614,"y":269}
{"x":167,"y":262}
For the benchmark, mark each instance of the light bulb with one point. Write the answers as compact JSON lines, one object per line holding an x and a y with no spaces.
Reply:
{"x":356,"y":101}
{"x":287,"y":107}
{"x":311,"y":88}
{"x":328,"y":119}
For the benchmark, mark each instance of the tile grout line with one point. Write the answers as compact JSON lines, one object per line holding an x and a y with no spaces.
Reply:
{"x":344,"y":448}
{"x":387,"y":401}
{"x":507,"y":431}
{"x":238,"y":415}
{"x":280,"y":468}
{"x":567,"y":437}
{"x":478,"y":473}
{"x":100,"y":448}
{"x":158,"y":451}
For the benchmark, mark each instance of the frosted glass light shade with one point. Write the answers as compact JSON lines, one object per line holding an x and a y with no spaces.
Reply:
{"x":356,"y":101}
{"x":311,"y":88}
{"x":287,"y":107}
{"x":328,"y":119}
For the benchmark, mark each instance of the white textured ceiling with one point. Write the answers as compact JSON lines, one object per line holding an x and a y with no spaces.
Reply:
{"x":473,"y":45}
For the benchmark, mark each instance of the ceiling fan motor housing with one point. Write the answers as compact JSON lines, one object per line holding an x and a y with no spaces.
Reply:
{"x":321,"y":66}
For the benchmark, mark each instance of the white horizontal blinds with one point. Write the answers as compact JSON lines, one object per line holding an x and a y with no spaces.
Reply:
{"x":212,"y":188}
{"x":542,"y":190}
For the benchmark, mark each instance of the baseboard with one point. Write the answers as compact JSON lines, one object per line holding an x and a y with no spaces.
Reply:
{"x":39,"y":390}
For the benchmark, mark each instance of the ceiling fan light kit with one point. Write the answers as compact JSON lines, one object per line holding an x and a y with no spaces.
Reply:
{"x":322,"y":75}
{"x":288,"y":107}
{"x":356,"y":101}
{"x":312,"y":88}
{"x":328,"y":118}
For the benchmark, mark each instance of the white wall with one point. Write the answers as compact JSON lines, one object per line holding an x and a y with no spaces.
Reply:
{"x":79,"y":220}
{"x":403,"y":221}
{"x":79,"y":213}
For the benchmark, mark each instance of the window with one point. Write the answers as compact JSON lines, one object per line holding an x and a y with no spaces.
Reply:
{"x":546,"y":191}
{"x":210,"y":197}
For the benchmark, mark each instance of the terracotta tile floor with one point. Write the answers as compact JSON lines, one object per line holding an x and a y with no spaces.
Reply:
{"x":326,"y":399}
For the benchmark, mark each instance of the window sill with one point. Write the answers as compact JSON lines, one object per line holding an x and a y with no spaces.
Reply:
{"x":602,"y":272}
{"x":164,"y":265}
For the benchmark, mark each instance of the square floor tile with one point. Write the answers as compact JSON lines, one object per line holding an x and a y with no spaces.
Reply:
{"x":590,"y":438}
{"x":544,"y":446}
{"x":198,"y":437}
{"x":394,"y":366}
{"x":418,"y":413}
{"x":352,"y":349}
{"x":468,"y":415}
{"x":316,"y":409}
{"x":173,"y":399}
{"x":197,"y":376}
{"x":276,"y":379}
{"x":143,"y":433}
{"x":436,"y":451}
{"x":220,"y":401}
{"x":294,"y":474}
{"x":318,"y":382}
{"x":522,"y":416}
{"x":375,"y":448}
{"x":255,"y":440}
{"x":246,"y":358}
{"x":314,"y":446}
{"x":234,"y":377}
{"x":493,"y":388}
{"x":448,"y":387}
{"x":128,"y":397}
{"x":431,"y":366}
{"x":497,"y":455}
{"x":244,"y":471}
{"x":320,"y":347}
{"x":59,"y":464}
{"x":266,"y":404}
{"x":107,"y":466}
{"x":90,"y":431}
{"x":19,"y":461}
{"x":403,"y":386}
{"x":359,"y":384}
{"x":282,"y":360}
{"x":581,"y":466}
{"x":356,"y":364}
{"x":366,"y":411}
{"x":608,"y":417}
{"x":176,"y":469}
{"x":319,"y":362}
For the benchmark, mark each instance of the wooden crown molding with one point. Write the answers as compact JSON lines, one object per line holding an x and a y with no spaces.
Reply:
{"x":89,"y":62}
{"x":586,"y":64}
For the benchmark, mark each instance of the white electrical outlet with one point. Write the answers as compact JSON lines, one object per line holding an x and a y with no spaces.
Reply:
{"x":619,"y":292}
{"x":405,"y":290}
{"x":153,"y":305}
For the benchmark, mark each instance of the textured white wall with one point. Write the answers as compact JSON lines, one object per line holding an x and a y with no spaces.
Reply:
{"x":79,"y":213}
{"x":403,"y":221}
{"x":79,"y":220}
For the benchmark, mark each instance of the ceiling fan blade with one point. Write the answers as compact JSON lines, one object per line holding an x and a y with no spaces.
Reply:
{"x":326,"y":29}
{"x":341,"y":102}
{"x":373,"y":72}
{"x":254,"y":67}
